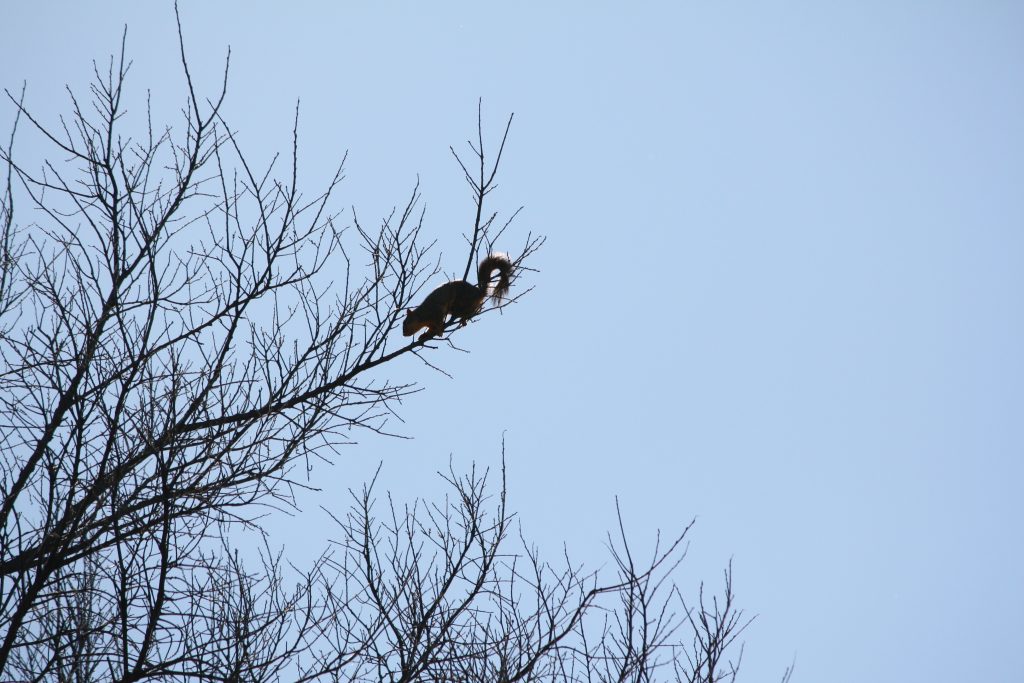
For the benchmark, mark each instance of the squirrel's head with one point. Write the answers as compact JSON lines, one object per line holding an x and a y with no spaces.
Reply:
{"x":409,"y":327}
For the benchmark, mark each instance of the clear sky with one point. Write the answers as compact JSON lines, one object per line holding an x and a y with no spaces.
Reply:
{"x":782,"y":288}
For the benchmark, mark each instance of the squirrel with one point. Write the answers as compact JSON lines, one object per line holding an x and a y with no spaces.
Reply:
{"x":458,"y":298}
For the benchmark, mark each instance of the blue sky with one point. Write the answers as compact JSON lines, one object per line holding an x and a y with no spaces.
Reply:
{"x":781,"y":290}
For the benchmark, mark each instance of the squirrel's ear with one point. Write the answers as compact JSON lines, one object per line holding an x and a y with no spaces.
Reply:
{"x":409,"y":310}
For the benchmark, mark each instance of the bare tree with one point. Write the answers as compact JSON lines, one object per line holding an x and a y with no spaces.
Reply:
{"x":181,"y":333}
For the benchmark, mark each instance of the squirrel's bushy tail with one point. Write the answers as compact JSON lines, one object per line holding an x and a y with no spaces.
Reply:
{"x":502,"y":264}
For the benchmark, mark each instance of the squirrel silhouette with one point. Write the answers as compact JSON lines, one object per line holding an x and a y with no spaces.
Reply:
{"x":460,"y":299}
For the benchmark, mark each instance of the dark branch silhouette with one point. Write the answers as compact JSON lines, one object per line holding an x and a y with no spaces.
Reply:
{"x":183,"y":336}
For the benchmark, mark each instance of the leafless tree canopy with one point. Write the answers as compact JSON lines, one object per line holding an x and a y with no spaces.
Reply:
{"x":180,"y":334}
